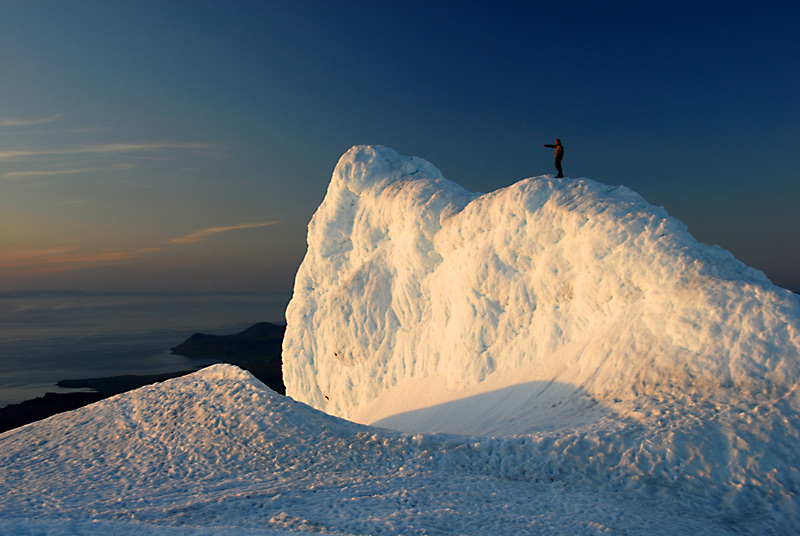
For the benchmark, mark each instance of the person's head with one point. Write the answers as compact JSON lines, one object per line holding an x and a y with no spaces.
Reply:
{"x":558,"y":142}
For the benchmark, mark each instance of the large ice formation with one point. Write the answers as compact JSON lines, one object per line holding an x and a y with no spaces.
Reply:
{"x":425,"y":307}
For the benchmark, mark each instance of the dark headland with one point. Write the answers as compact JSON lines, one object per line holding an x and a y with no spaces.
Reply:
{"x":256,"y":349}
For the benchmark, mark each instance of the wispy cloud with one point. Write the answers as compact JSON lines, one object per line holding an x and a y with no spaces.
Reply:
{"x":27,"y":122}
{"x":202,"y":234}
{"x":32,"y":261}
{"x":45,"y":173}
{"x":45,"y":260}
{"x":56,"y":172}
{"x":108,"y":148}
{"x":85,"y":130}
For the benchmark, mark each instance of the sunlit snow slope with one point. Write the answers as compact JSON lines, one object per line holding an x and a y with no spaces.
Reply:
{"x":415,"y":294}
{"x":218,"y":453}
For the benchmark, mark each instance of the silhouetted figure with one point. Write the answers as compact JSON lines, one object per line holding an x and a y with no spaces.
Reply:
{"x":559,"y":155}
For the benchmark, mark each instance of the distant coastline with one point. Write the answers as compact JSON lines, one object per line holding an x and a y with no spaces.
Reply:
{"x":256,"y":349}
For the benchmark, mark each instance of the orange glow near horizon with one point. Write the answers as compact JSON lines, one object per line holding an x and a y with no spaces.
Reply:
{"x":25,"y":261}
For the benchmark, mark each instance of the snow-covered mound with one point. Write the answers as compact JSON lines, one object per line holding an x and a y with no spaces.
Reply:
{"x":216,"y":452}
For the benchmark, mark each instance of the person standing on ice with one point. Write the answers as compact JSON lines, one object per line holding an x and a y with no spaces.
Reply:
{"x":559,"y":155}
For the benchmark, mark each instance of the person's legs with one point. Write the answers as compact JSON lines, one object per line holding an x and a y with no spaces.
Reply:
{"x":558,"y":167}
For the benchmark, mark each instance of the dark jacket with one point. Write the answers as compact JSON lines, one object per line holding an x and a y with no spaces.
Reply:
{"x":559,"y":154}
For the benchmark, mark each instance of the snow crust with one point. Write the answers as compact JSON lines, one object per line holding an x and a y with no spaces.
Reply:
{"x":217,"y":452}
{"x":557,"y":357}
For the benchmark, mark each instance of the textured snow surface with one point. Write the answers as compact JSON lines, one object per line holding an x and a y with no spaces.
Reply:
{"x":557,"y":357}
{"x":217,"y":452}
{"x":409,"y":277}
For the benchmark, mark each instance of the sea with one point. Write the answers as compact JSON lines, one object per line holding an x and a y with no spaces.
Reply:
{"x":49,"y":336}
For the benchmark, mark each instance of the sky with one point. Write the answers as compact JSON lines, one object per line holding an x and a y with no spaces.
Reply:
{"x":184,"y":145}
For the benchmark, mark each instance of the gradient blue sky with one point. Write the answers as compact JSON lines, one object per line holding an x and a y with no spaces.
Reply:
{"x":184,"y":145}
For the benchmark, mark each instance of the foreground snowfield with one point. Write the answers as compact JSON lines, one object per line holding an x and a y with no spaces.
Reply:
{"x":217,"y":452}
{"x":557,"y":357}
